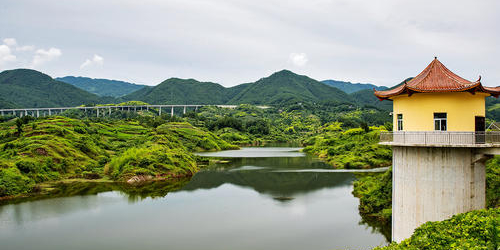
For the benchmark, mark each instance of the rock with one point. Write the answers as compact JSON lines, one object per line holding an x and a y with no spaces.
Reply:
{"x":139,"y":178}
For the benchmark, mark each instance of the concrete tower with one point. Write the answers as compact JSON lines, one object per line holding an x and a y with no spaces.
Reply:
{"x":439,"y":147}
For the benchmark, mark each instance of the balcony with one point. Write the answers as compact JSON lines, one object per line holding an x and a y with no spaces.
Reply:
{"x":441,"y":139}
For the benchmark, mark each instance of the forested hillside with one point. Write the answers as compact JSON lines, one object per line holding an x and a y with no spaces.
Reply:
{"x":30,"y":88}
{"x":181,"y":91}
{"x":101,"y":87}
{"x":287,"y":87}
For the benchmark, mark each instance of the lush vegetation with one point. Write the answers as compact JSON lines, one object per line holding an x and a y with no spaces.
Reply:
{"x":101,"y":87}
{"x":473,"y":230}
{"x":350,"y":148}
{"x":27,"y":88}
{"x":56,"y":148}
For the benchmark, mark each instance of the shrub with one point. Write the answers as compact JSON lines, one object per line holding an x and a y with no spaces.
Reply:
{"x":12,"y":182}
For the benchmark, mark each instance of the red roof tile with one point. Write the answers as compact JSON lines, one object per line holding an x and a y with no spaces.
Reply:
{"x":437,"y":78}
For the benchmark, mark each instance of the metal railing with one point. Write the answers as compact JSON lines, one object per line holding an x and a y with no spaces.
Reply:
{"x":440,"y":137}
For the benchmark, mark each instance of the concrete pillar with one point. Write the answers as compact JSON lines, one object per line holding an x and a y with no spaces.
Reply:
{"x":433,"y":184}
{"x":2,"y":112}
{"x":26,"y":112}
{"x":172,"y":112}
{"x":135,"y":108}
{"x":110,"y":111}
{"x":50,"y":112}
{"x":97,"y":111}
{"x":184,"y":111}
{"x":37,"y":113}
{"x":159,"y":113}
{"x":147,"y":108}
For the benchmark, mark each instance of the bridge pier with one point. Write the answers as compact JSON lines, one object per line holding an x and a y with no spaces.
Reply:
{"x":184,"y":111}
{"x":159,"y":112}
{"x":37,"y":113}
{"x":172,"y":112}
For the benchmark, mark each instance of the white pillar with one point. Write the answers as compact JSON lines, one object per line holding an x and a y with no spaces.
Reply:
{"x":110,"y":111}
{"x":159,"y":114}
{"x":37,"y":113}
{"x":97,"y":109}
{"x":184,"y":111}
{"x":172,"y":112}
{"x":433,"y":184}
{"x":50,"y":112}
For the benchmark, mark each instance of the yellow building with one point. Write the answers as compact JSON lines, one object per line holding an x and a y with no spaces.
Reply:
{"x":439,"y":147}
{"x":438,"y":100}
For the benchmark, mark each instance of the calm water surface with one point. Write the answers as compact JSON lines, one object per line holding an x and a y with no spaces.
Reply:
{"x":265,"y":198}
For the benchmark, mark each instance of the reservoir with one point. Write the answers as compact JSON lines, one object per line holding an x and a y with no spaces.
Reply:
{"x":271,"y":198}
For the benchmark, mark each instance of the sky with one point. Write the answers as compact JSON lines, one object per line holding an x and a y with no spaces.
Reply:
{"x":237,"y":41}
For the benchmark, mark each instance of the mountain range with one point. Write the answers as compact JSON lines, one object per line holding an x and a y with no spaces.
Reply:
{"x":30,"y":88}
{"x":349,"y":87}
{"x":101,"y":87}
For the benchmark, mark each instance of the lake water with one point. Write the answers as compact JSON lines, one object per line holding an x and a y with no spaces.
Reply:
{"x":265,"y":198}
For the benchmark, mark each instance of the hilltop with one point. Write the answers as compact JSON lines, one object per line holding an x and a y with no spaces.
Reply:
{"x":181,"y":91}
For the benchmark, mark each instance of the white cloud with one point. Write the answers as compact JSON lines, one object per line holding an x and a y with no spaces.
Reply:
{"x":6,"y":55}
{"x":25,"y":48}
{"x":298,"y":59}
{"x":11,"y":42}
{"x":96,"y":60}
{"x":42,"y":56}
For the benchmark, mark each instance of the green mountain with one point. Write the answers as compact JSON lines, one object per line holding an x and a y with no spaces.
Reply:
{"x":29,"y":88}
{"x":287,"y":87}
{"x":279,"y":88}
{"x":181,"y":91}
{"x":349,"y":87}
{"x":101,"y":87}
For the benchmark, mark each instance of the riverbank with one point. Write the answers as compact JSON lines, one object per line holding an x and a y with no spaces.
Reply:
{"x":53,"y":149}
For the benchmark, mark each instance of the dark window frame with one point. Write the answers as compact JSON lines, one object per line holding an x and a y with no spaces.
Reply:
{"x":440,"y":121}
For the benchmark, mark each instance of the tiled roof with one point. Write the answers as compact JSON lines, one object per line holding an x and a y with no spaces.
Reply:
{"x":437,"y":78}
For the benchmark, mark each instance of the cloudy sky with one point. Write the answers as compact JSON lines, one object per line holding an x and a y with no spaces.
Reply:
{"x":237,"y":41}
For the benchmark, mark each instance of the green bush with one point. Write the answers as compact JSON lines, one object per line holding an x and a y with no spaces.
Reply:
{"x":12,"y":182}
{"x":473,"y":230}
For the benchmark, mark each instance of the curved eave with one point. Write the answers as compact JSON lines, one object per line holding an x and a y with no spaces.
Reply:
{"x":405,"y":89}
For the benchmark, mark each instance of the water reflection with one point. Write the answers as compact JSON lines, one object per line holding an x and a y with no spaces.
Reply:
{"x":245,"y":204}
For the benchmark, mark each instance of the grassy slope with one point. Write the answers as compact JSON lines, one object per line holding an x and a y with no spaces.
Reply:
{"x":56,"y":148}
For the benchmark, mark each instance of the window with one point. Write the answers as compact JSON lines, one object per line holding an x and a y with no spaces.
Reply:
{"x":440,"y":121}
{"x":400,"y":122}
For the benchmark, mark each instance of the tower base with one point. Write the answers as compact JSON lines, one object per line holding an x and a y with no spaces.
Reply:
{"x":433,"y":184}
